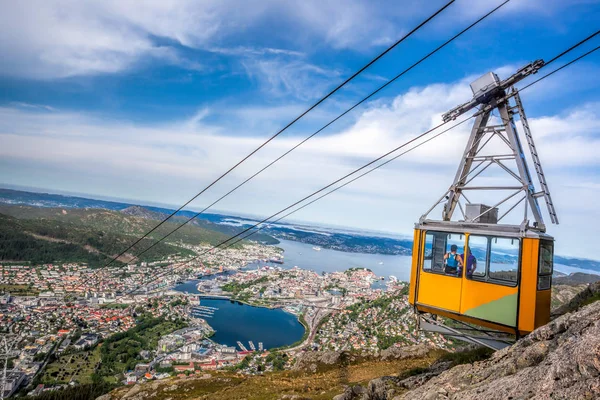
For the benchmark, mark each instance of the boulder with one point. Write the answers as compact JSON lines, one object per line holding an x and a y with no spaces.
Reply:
{"x":400,"y":353}
{"x":353,"y":393}
{"x":309,"y":361}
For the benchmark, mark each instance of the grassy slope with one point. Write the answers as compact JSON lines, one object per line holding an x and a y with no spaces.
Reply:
{"x":321,"y":385}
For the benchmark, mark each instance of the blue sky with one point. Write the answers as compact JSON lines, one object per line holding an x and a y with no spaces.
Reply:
{"x":151,"y":103}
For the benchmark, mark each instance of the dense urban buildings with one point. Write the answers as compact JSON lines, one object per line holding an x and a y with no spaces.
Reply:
{"x":68,"y":321}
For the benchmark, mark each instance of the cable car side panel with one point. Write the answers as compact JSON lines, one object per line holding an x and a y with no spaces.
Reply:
{"x":415,"y":265}
{"x":490,"y":302}
{"x":528,"y":295}
{"x":534,"y":300}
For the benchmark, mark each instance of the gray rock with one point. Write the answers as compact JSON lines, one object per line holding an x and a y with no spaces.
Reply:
{"x":171,"y":388}
{"x":383,"y":388}
{"x":310,"y":361}
{"x":400,"y":353}
{"x":353,"y":393}
{"x":560,"y":360}
{"x":578,"y":299}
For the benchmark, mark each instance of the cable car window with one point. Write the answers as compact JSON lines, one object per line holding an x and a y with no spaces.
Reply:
{"x":546,"y":258}
{"x":443,"y":253}
{"x":428,"y":258}
{"x":476,"y":262}
{"x":504,"y":259}
{"x":546,"y":266}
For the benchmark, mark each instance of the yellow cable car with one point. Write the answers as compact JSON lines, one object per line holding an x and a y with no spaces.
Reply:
{"x":475,"y":269}
{"x":503,"y":283}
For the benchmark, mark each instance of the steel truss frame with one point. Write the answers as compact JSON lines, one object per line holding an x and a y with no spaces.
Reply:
{"x":473,"y":164}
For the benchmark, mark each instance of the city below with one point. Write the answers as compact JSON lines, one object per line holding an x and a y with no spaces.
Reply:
{"x":251,"y":308}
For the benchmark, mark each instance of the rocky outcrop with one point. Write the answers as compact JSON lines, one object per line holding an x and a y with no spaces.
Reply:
{"x":560,"y":360}
{"x":584,"y":296}
{"x":563,"y":294}
{"x":400,"y":353}
{"x":311,"y":361}
{"x":354,"y":393}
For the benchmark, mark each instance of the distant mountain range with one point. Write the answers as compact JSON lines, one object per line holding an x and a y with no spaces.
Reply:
{"x":337,"y":239}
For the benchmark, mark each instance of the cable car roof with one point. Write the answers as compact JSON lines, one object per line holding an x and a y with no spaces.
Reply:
{"x":516,"y":231}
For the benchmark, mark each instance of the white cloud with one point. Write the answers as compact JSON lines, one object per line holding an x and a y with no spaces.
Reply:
{"x":46,"y":39}
{"x":168,"y":163}
{"x":282,"y":77}
{"x":57,"y":38}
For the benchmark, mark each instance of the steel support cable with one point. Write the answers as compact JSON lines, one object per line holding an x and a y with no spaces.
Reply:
{"x":370,"y":163}
{"x":352,"y":180}
{"x":416,"y":138}
{"x":327,"y":125}
{"x":422,"y":143}
{"x":402,"y":39}
{"x":572,"y":48}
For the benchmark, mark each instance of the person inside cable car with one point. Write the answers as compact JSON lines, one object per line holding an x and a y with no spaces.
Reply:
{"x":471,"y":262}
{"x":452,"y":260}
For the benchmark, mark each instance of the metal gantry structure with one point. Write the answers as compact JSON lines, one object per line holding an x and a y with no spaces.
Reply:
{"x":490,"y":94}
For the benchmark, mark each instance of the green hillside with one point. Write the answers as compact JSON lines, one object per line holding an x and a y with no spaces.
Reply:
{"x":44,"y":235}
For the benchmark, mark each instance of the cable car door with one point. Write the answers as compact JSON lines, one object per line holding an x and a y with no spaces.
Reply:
{"x":440,"y":283}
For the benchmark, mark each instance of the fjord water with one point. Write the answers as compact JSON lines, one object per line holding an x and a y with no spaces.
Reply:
{"x":326,"y":260}
{"x":235,"y":321}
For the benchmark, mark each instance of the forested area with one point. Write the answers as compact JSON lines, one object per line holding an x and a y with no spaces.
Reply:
{"x":40,"y":241}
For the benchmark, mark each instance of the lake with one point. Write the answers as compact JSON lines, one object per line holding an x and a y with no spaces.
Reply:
{"x":235,"y":321}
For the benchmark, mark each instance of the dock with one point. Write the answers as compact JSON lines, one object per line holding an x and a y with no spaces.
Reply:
{"x":252,"y":345}
{"x":242,"y":346}
{"x":203,"y":311}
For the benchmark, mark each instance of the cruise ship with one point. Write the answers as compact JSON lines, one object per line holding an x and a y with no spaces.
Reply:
{"x":316,"y":248}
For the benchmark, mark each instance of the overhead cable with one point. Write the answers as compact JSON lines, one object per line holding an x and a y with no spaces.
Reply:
{"x":364,"y":99}
{"x":417,"y":145}
{"x":358,"y":170}
{"x":407,"y":35}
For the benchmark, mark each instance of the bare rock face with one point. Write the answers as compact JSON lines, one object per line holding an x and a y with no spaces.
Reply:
{"x":400,"y":353}
{"x":560,"y":360}
{"x":563,"y":294}
{"x":310,"y":361}
{"x":582,"y":297}
{"x":353,"y":393}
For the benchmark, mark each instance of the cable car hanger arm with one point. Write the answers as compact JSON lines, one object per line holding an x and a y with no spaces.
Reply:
{"x":494,"y":89}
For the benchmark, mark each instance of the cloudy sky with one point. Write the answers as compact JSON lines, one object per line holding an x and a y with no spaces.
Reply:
{"x":152,"y":102}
